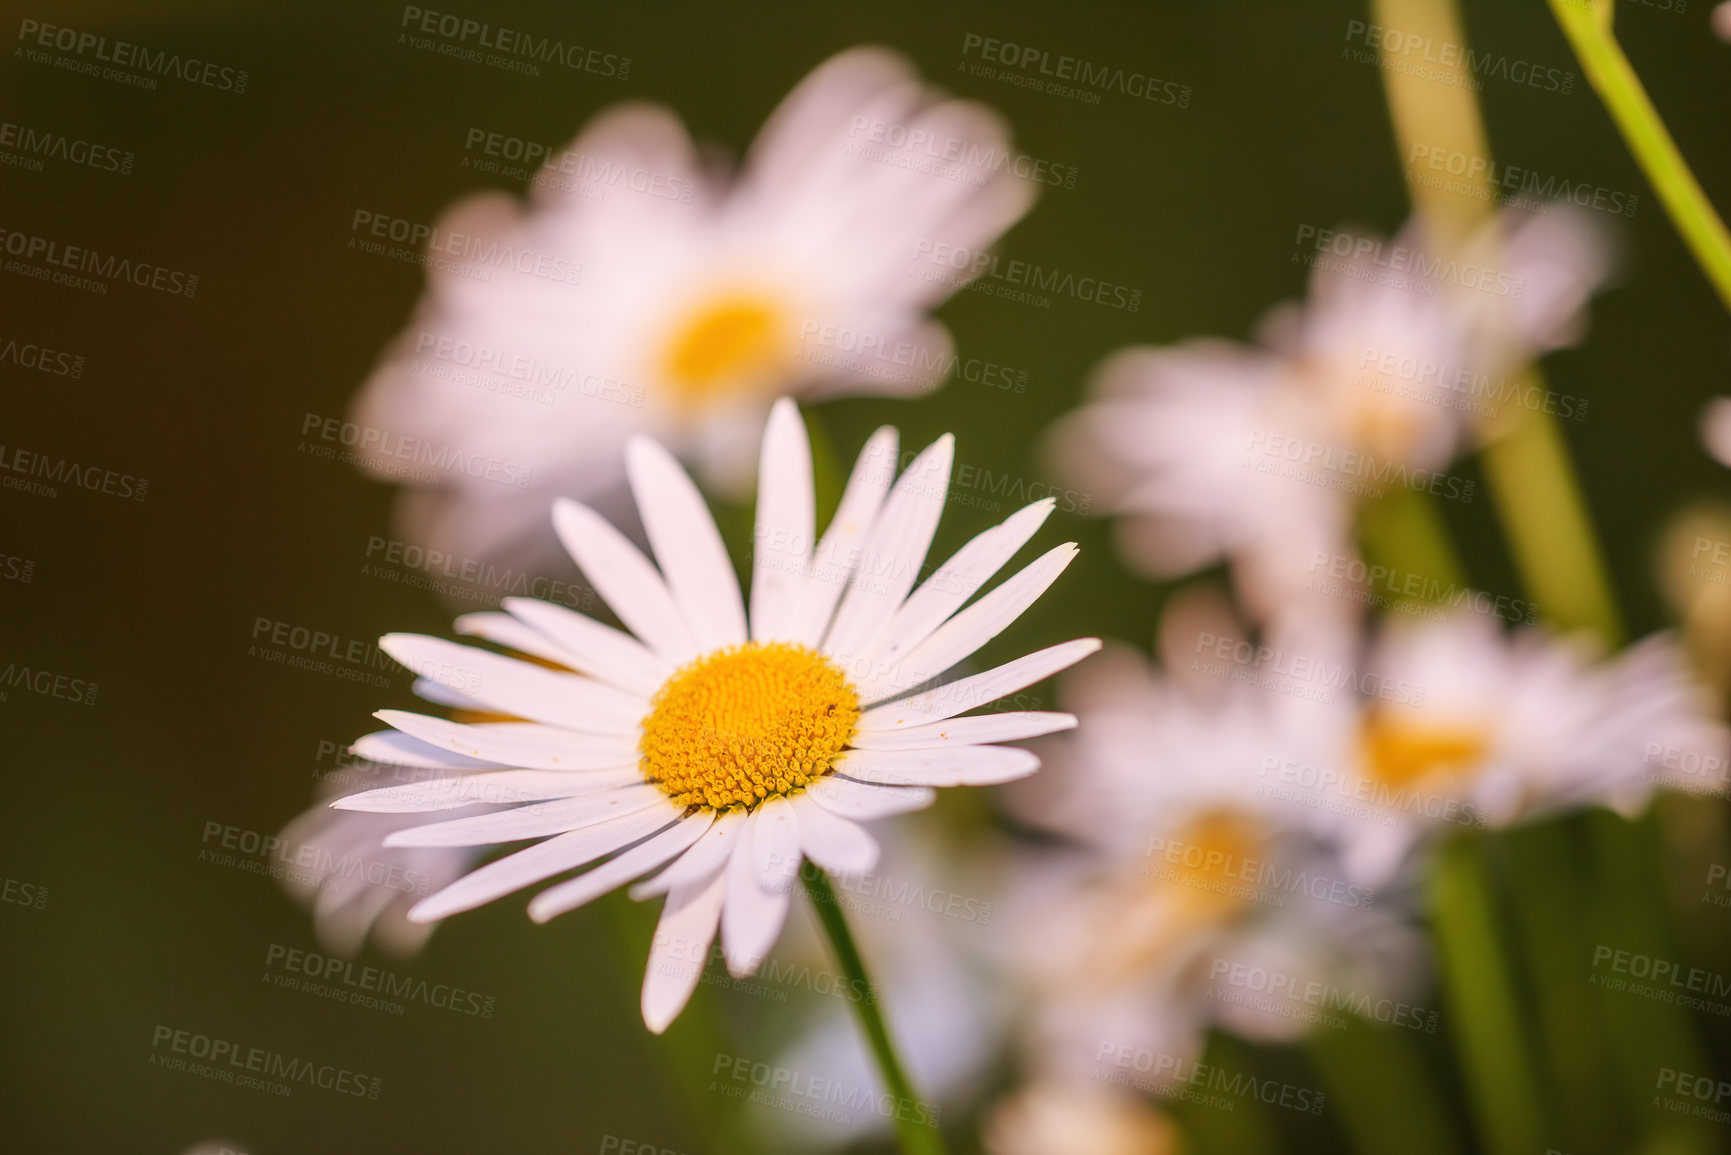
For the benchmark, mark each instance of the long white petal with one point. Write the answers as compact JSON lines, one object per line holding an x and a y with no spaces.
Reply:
{"x":956,"y":580}
{"x":604,"y":653}
{"x":775,"y":845}
{"x":625,"y":580}
{"x":962,"y":766}
{"x":831,"y":841}
{"x":531,"y":746}
{"x":972,"y":692}
{"x":399,"y":749}
{"x":610,"y":875}
{"x":543,"y":860}
{"x":893,"y":552}
{"x":537,"y":821}
{"x":959,"y":637}
{"x":708,"y":856}
{"x":681,"y":949}
{"x":837,"y":551}
{"x":786,"y":526}
{"x":519,"y":688}
{"x":863,"y":801}
{"x":1011,"y":726}
{"x":505,"y":630}
{"x":440,"y":695}
{"x":687,"y":545}
{"x":495,"y":787}
{"x":751,"y":918}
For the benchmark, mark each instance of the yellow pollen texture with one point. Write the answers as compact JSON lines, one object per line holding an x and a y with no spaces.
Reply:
{"x":747,"y":723}
{"x":732,"y":339}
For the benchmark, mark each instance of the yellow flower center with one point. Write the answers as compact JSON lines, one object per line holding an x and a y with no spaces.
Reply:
{"x":723,"y":344}
{"x":747,"y":723}
{"x":1215,"y":858}
{"x":1398,"y":753}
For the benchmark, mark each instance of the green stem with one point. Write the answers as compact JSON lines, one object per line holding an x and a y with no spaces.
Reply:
{"x":1609,"y":72}
{"x":916,"y":1126}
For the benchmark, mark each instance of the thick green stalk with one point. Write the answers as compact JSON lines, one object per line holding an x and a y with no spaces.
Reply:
{"x":915,"y":1124}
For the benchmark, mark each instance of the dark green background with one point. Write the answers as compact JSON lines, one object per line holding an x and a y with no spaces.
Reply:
{"x":105,"y":805}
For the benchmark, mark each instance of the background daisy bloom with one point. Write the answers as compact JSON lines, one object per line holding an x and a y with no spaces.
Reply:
{"x":1259,"y":455}
{"x":701,"y":296}
{"x":720,"y":745}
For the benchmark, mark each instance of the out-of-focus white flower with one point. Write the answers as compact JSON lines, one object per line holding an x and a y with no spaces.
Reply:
{"x":718,"y":746}
{"x":641,"y":290}
{"x":1066,"y":1117}
{"x":1716,"y":429}
{"x":1260,"y":455}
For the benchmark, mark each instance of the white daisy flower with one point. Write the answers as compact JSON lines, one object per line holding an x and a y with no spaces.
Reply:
{"x":1077,"y":1117}
{"x":692,"y":312}
{"x":1261,"y":455}
{"x":719,"y":744}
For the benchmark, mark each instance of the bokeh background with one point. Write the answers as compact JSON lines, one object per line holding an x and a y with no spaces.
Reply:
{"x":109,"y":805}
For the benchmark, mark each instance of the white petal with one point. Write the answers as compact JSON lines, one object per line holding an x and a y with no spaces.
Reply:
{"x":751,"y":917}
{"x":439,"y":695}
{"x":775,"y":845}
{"x":959,"y":637}
{"x":495,"y":787}
{"x":893,"y":552}
{"x":537,"y":821}
{"x":625,"y":580}
{"x":708,"y":856}
{"x":970,"y":693}
{"x":786,"y":526}
{"x":687,"y":545}
{"x":681,"y":949}
{"x":543,"y":860}
{"x":831,"y":841}
{"x":956,"y":580}
{"x":519,"y":688}
{"x":864,"y":801}
{"x":962,"y":766}
{"x":505,"y":630}
{"x":604,"y":653}
{"x":834,"y":560}
{"x":530,"y":746}
{"x":399,"y":749}
{"x":1011,"y":726}
{"x":640,"y":859}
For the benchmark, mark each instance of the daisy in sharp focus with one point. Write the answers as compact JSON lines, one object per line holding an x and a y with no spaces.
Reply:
{"x":723,"y":739}
{"x":698,"y":298}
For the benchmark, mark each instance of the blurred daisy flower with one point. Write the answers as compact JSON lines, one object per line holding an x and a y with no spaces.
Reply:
{"x":682,"y":310}
{"x":1056,"y":1117}
{"x":719,"y":745}
{"x":1260,"y":455}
